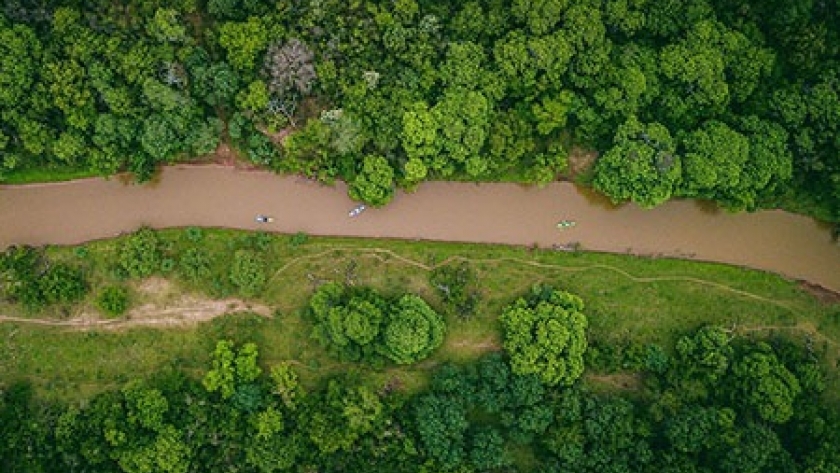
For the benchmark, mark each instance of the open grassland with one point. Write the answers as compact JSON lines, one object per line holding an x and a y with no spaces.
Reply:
{"x":630,"y":300}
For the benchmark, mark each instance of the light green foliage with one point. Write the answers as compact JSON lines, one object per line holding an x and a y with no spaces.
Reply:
{"x":140,"y":255}
{"x":551,"y":113}
{"x":287,"y":385}
{"x":769,"y":165}
{"x":20,"y":52}
{"x":168,"y":453}
{"x":413,"y":330}
{"x":166,"y":26}
{"x":706,"y":353}
{"x":271,"y":449}
{"x":374,"y":184}
{"x":414,"y":171}
{"x":419,"y":133}
{"x":627,"y":16}
{"x":254,"y":98}
{"x":344,"y":414}
{"x":464,"y":121}
{"x":546,"y":336}
{"x":642,"y":165}
{"x":69,"y":147}
{"x":248,"y":273}
{"x":113,"y":300}
{"x":766,"y":385}
{"x":587,"y":36}
{"x":243,"y":41}
{"x":146,"y":407}
{"x":231,"y":370}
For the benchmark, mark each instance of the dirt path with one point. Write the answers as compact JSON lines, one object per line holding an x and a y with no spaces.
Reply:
{"x":495,"y":213}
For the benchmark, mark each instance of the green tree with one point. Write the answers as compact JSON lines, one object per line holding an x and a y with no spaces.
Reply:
{"x":441,"y":423}
{"x":243,"y":42}
{"x":412,"y":330}
{"x":287,"y":385}
{"x":546,"y":335}
{"x":347,"y":322}
{"x":374,"y":184}
{"x":232,"y":369}
{"x":766,"y":385}
{"x":463,"y":117}
{"x":166,"y":26}
{"x":714,"y":160}
{"x":341,"y":416}
{"x":641,"y":166}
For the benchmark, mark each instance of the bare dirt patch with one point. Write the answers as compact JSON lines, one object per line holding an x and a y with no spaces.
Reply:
{"x":162,"y":304}
{"x":822,"y":294}
{"x":580,"y":162}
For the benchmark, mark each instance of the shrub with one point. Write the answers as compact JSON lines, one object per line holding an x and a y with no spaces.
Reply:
{"x":140,"y":255}
{"x":248,"y":273}
{"x":63,"y":283}
{"x":113,"y":300}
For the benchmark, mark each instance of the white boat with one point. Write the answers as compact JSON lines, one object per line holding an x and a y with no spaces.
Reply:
{"x":357,"y":210}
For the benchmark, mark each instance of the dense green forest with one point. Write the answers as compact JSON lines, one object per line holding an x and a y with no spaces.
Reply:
{"x":719,"y":404}
{"x":732,"y":101}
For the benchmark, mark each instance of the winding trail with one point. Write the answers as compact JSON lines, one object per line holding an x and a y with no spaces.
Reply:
{"x":77,"y":211}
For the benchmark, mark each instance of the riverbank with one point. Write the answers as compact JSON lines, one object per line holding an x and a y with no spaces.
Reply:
{"x":630,"y":302}
{"x":213,"y":196}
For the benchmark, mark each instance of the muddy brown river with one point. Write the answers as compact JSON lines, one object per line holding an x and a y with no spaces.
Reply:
{"x":77,"y":211}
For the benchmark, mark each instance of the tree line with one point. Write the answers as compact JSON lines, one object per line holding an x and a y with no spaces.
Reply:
{"x":735,"y":102}
{"x":712,"y":403}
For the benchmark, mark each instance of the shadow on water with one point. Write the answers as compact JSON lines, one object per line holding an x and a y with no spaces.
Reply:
{"x":128,"y":179}
{"x":707,"y":207}
{"x":597,"y":199}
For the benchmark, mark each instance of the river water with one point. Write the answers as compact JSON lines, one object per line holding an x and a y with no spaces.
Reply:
{"x":73,"y":212}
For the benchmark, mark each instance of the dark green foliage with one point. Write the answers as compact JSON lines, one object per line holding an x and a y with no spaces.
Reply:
{"x":113,"y":300}
{"x":21,"y":268}
{"x":29,"y":278}
{"x":480,"y":416}
{"x":457,"y":286}
{"x":360,"y":325}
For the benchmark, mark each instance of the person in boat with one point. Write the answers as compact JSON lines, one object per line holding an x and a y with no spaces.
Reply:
{"x":566,"y":224}
{"x":264,"y":219}
{"x":357,"y":210}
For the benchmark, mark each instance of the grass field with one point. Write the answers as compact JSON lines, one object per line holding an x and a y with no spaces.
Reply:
{"x":629,"y":300}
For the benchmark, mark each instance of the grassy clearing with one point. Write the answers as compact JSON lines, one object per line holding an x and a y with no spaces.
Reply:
{"x":629,"y":299}
{"x":38,"y":175}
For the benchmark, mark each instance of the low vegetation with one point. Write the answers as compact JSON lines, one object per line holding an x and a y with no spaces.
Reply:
{"x":567,"y":361}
